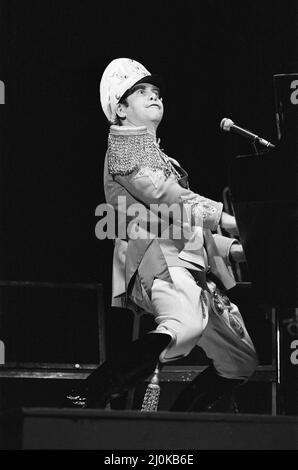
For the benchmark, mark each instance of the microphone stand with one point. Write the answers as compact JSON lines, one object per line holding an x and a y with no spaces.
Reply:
{"x":255,"y":147}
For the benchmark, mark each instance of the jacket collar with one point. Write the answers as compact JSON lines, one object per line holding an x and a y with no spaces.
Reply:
{"x":129,"y":130}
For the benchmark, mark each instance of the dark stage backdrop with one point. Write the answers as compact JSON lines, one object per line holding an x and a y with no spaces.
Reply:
{"x":217,"y":57}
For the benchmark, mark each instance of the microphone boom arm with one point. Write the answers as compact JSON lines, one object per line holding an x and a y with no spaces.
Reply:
{"x":228,"y":125}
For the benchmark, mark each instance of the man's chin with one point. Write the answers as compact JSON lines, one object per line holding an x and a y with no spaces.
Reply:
{"x":155,"y":114}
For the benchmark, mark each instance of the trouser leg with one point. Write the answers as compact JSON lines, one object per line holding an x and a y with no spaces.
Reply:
{"x":186,"y":312}
{"x":226,"y":342}
{"x":178,"y":309}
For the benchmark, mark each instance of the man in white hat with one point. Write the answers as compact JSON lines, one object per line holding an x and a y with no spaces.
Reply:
{"x":179,"y":279}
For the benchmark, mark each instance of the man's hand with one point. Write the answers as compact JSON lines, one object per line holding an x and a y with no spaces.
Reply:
{"x":236,"y":253}
{"x":228,"y":223}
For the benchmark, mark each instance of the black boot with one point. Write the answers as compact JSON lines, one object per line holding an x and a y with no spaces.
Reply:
{"x":122,"y":372}
{"x":205,"y":391}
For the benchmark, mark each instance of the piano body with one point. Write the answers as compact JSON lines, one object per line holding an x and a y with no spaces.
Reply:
{"x":263,"y":189}
{"x":264,"y":197}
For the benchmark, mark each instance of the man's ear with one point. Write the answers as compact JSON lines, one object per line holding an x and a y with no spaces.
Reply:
{"x":121,"y":110}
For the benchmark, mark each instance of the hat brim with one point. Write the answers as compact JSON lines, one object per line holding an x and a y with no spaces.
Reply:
{"x":152,"y":79}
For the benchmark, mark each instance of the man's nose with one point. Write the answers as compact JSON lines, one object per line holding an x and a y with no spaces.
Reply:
{"x":153,"y":95}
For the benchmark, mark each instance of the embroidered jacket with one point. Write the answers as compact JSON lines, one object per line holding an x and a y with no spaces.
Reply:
{"x":137,"y":171}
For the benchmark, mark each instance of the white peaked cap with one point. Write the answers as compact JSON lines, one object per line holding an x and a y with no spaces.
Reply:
{"x":119,"y":76}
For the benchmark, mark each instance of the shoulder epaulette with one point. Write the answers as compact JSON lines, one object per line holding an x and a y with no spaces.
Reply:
{"x":130,"y":149}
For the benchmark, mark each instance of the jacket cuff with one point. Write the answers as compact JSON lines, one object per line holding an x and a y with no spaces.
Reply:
{"x":223,"y":245}
{"x":217,"y":216}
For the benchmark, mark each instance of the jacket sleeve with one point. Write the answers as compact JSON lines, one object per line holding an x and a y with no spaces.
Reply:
{"x":152,"y":187}
{"x":223,"y":245}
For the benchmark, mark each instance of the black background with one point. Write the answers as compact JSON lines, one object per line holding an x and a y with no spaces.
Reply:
{"x":217,"y":57}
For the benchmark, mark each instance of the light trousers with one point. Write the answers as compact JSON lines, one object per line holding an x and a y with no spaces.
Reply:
{"x":187,"y":312}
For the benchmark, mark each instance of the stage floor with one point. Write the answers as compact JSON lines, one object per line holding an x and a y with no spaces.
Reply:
{"x":56,"y":428}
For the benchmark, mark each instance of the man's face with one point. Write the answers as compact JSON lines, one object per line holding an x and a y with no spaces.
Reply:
{"x":144,"y":106}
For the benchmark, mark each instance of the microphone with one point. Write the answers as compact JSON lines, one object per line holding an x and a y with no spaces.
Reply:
{"x":228,"y":125}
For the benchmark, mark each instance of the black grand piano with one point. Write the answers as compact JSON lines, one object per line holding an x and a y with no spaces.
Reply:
{"x":264,"y":197}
